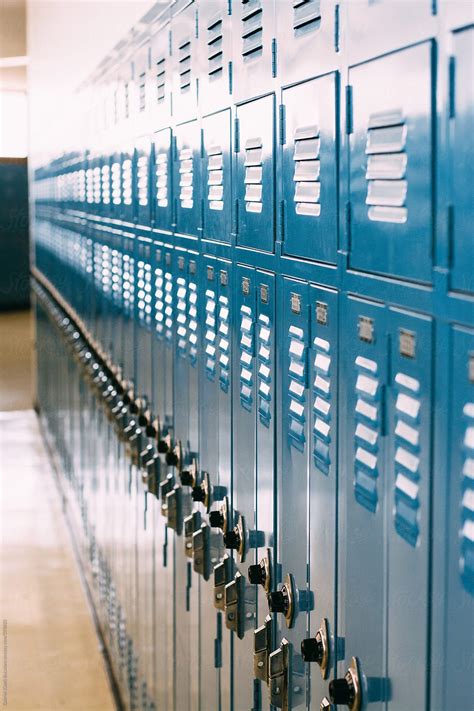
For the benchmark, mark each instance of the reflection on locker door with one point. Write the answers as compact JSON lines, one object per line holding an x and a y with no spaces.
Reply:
{"x":363,"y":490}
{"x":310,"y":161}
{"x":216,"y":176}
{"x":462,"y":169}
{"x":292,"y":601}
{"x":391,"y":218}
{"x":255,"y":173}
{"x":374,"y":28}
{"x":458,"y":649}
{"x":308,"y":38}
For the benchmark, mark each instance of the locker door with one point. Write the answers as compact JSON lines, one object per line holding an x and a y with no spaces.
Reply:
{"x":143,"y":320}
{"x":179,"y":499}
{"x":115,"y":185}
{"x":128,"y":303}
{"x":265,"y":347}
{"x":459,"y":612}
{"x":185,"y":62}
{"x":374,"y":28}
{"x":215,"y":81}
{"x":128,"y":188}
{"x":323,"y":368}
{"x":142,"y":180}
{"x":161,"y":182}
{"x":408,"y":478}
{"x":161,"y":79}
{"x":253,"y":47}
{"x":292,"y":601}
{"x":308,"y":37}
{"x":255,"y":174}
{"x":363,"y":489}
{"x":187,"y":165}
{"x":241,"y":613}
{"x":390,"y":165}
{"x":216,"y":176}
{"x":462,"y":273}
{"x":310,"y":162}
{"x":206,"y":542}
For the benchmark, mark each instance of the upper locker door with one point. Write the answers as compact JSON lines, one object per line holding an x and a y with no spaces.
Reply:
{"x":323,"y":369}
{"x":409,"y":408}
{"x":363,"y":560}
{"x":391,"y":218}
{"x":374,"y":28}
{"x":462,"y":168}
{"x":215,"y":40}
{"x":187,"y":169}
{"x":161,"y":76}
{"x":288,"y":674}
{"x":254,"y":47}
{"x":185,"y":62}
{"x":458,"y":619}
{"x":308,"y":37}
{"x":310,"y":169}
{"x":216,"y":176}
{"x":255,"y":174}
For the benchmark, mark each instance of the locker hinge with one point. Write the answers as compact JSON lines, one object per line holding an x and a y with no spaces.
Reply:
{"x":274,"y":57}
{"x":348,"y":225}
{"x":452,"y":87}
{"x":170,"y":43}
{"x":229,"y":7}
{"x":349,"y":127}
{"x":231,"y":78}
{"x":236,"y":135}
{"x":189,"y":582}
{"x":236,"y":216}
{"x":282,"y":218}
{"x":336,"y":27}
{"x":450,"y":234}
{"x":202,"y":143}
{"x":282,"y":124}
{"x":218,"y":643}
{"x":165,"y":548}
{"x":197,"y":23}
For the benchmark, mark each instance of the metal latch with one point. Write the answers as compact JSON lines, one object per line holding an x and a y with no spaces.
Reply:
{"x":201,"y":551}
{"x":234,"y":605}
{"x":222,"y":575}
{"x":174,"y":507}
{"x":278,"y":672}
{"x":262,"y":647}
{"x":191,"y":524}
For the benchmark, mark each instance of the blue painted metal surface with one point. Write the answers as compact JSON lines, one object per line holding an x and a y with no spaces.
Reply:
{"x":262,"y":273}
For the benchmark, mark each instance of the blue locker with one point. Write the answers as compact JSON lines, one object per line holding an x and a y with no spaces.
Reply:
{"x":206,"y":541}
{"x":187,"y":173}
{"x":410,"y":405}
{"x":116,"y":185}
{"x":265,"y":355}
{"x":310,"y":169}
{"x":363,"y":558}
{"x":323,"y":485}
{"x":106,"y":187}
{"x":143,"y":181}
{"x":391,"y":219}
{"x":254,"y":47}
{"x":161,"y":73}
{"x":255,"y":174}
{"x":216,"y":176}
{"x":128,"y":307}
{"x":215,"y":51}
{"x":458,"y":619}
{"x":144,"y":320}
{"x":184,"y":35}
{"x":462,"y":170}
{"x":161,"y":180}
{"x":241,"y":598}
{"x":308,"y":33}
{"x":374,"y":28}
{"x":292,"y":601}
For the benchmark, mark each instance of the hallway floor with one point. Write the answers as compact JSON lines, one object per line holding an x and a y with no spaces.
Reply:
{"x":50,"y":655}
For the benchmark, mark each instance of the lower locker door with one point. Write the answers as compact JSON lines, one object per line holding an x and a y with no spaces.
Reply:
{"x":409,"y":518}
{"x":265,"y":344}
{"x":364,"y":493}
{"x":241,"y":613}
{"x":458,"y":683}
{"x":288,"y":674}
{"x":323,"y":369}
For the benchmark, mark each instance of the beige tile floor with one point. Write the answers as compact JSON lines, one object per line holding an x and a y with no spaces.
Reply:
{"x":53,"y":660}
